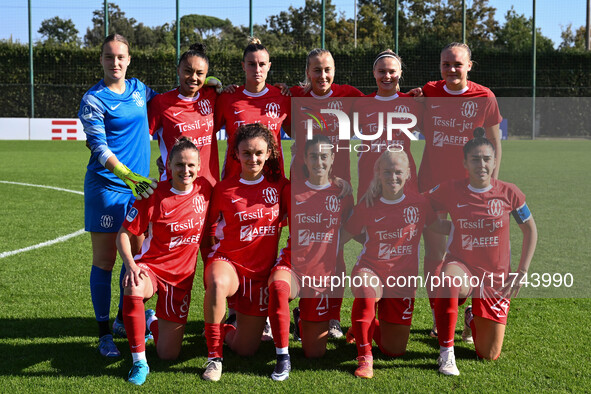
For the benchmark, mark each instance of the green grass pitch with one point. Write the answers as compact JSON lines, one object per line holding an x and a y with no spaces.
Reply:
{"x":48,"y":333}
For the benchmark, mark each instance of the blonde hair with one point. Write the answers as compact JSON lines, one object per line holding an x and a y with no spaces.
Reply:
{"x":389,"y":53}
{"x":458,"y":45}
{"x":374,"y":190}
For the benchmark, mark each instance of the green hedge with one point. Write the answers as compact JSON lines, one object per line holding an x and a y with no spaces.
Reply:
{"x":62,"y":75}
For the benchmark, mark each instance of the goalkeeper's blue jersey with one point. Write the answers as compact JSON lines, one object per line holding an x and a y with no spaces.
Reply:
{"x":118,"y":124}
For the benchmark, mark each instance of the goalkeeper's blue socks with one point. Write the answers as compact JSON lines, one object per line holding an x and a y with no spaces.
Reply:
{"x":100,"y":292}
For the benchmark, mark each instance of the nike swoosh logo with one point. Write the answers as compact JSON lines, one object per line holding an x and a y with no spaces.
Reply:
{"x":448,"y":341}
{"x":114,"y":107}
{"x":405,"y":317}
{"x":322,"y":313}
{"x":300,"y":202}
{"x":104,"y":317}
{"x":177,"y":113}
{"x":168,"y":213}
{"x":236,"y":200}
{"x":435,"y":106}
{"x":380,"y":219}
{"x":182,"y":316}
{"x":461,"y":205}
{"x":368,"y":115}
{"x":262,"y":309}
{"x":135,"y":347}
{"x":237,"y":112}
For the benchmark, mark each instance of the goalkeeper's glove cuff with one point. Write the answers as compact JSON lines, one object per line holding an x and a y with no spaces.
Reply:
{"x":214,"y":82}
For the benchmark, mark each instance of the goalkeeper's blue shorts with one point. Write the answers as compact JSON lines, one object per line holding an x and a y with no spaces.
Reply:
{"x":104,"y":209}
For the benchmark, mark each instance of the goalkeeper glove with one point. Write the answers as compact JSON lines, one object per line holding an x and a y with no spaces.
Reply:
{"x":214,"y":82}
{"x":140,"y":185}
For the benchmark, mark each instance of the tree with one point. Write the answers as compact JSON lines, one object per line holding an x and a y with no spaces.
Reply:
{"x":57,"y":31}
{"x":139,"y":35}
{"x":516,"y":34}
{"x":572,"y":40}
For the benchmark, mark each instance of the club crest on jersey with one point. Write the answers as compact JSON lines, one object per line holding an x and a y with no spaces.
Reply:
{"x":332,"y":204}
{"x":139,"y":100}
{"x":411,"y":215}
{"x":469,"y":109}
{"x":204,"y":107}
{"x":131,"y":214}
{"x":495,"y":207}
{"x":337,"y":104}
{"x":466,"y":242}
{"x":273,"y":110}
{"x":402,"y":109}
{"x":107,"y":221}
{"x":270,"y":195}
{"x":199,"y":204}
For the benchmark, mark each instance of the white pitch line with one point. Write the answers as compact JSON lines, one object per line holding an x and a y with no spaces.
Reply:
{"x":44,"y":187}
{"x":46,"y":243}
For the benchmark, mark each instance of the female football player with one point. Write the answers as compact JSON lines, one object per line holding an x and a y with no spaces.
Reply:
{"x":392,"y":227}
{"x":248,"y":208}
{"x":479,"y":247}
{"x":312,"y":252}
{"x":188,"y":110}
{"x":254,"y":102}
{"x":453,"y":108}
{"x":387,"y":71}
{"x":174,"y":219}
{"x":114,"y":116}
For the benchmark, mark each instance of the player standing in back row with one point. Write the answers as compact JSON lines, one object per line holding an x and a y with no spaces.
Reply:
{"x":114,"y":116}
{"x":455,"y":106}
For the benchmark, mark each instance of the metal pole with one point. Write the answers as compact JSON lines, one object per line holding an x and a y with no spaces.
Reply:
{"x":355,"y":18}
{"x":464,"y":21}
{"x":106,"y":18}
{"x":396,"y":26}
{"x":533,"y":71}
{"x":178,"y":37}
{"x":588,"y":27}
{"x":323,"y":26}
{"x":251,"y":32}
{"x":31,"y":75}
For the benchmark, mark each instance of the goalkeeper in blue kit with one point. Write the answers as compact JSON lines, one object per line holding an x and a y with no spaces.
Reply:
{"x":114,"y":116}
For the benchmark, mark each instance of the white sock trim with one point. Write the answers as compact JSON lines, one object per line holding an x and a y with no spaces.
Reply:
{"x":138,"y":356}
{"x":282,"y":350}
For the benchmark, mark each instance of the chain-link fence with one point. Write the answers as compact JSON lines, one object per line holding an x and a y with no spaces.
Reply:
{"x":66,"y":35}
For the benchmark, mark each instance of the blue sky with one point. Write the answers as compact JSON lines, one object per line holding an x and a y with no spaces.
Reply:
{"x":550,"y":14}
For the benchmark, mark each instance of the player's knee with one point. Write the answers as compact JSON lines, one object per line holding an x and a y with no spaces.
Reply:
{"x":246,"y":350}
{"x":488,"y":354}
{"x":168,"y":353}
{"x":218,"y":285}
{"x":314,"y":352}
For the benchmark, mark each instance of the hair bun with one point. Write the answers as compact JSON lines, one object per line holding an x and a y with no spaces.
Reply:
{"x":198,"y":47}
{"x":479,"y":132}
{"x":254,"y":41}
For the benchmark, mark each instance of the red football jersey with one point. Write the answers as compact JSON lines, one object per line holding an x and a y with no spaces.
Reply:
{"x":269,"y":107}
{"x":248,"y":214}
{"x":317,"y":215}
{"x":450,"y":118}
{"x":171,"y":115}
{"x":175,"y":222}
{"x":369,"y":111}
{"x":480,"y":217}
{"x":341,"y":165}
{"x":393,"y":232}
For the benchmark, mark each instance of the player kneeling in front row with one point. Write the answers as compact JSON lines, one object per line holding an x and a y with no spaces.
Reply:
{"x":392,"y":222}
{"x":479,"y":248}
{"x":248,"y":208}
{"x":174,"y":217}
{"x":311,"y":252}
